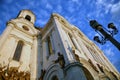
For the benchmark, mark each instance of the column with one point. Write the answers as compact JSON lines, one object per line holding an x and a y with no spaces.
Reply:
{"x":62,"y":41}
{"x":84,"y":49}
{"x":25,"y":57}
{"x":33,"y":58}
{"x":10,"y":59}
{"x":5,"y":34}
{"x":75,"y":42}
{"x":14,"y":48}
{"x":39,"y":56}
{"x":77,"y":45}
{"x":7,"y":50}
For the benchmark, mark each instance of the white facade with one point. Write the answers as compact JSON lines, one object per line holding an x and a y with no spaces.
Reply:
{"x":40,"y":48}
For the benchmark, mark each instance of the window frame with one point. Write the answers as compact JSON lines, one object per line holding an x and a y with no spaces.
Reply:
{"x":27,"y":17}
{"x":18,"y":51}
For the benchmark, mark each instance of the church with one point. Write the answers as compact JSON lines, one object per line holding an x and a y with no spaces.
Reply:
{"x":58,"y":51}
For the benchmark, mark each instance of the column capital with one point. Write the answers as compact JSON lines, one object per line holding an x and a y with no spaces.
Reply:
{"x":34,"y":37}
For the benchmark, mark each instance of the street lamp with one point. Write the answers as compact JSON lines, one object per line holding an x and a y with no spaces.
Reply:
{"x":104,"y":33}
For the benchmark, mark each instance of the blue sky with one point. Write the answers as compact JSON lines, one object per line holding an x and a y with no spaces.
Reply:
{"x":75,"y":11}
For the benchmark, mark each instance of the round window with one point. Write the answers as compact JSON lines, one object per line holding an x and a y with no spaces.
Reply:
{"x":25,"y":28}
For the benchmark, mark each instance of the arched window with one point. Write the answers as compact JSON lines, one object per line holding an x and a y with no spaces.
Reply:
{"x":54,"y":78}
{"x":27,"y":17}
{"x":18,"y":51}
{"x":49,"y":45}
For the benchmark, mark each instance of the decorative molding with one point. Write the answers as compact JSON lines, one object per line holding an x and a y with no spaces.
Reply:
{"x":12,"y":73}
{"x":47,"y":33}
{"x":72,"y":65}
{"x":15,"y":21}
{"x":53,"y":70}
{"x":18,"y":38}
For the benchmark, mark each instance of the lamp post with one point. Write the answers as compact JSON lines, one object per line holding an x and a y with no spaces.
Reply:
{"x":105,"y":34}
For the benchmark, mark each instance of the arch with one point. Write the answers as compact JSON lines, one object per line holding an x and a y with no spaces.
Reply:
{"x":54,"y":72}
{"x":27,"y":17}
{"x":89,"y":69}
{"x":88,"y":74}
{"x":18,"y":51}
{"x":54,"y":77}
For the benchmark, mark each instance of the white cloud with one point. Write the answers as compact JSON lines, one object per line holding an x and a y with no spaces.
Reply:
{"x":109,"y":52}
{"x":107,"y":7}
{"x":9,"y":1}
{"x":41,"y":22}
{"x":115,"y":10}
{"x":71,"y":9}
{"x":59,"y":8}
{"x":48,"y":6}
{"x":75,"y":1}
{"x":102,"y":5}
{"x":44,"y":13}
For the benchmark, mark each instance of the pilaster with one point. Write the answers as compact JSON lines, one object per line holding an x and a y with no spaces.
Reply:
{"x":63,"y":42}
{"x":25,"y":57}
{"x":33,"y":59}
{"x":5,"y":34}
{"x":39,"y":56}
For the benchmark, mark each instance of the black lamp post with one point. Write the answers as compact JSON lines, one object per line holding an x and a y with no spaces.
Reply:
{"x":106,"y":35}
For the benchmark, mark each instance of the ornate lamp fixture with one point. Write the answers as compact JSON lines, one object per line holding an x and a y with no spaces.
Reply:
{"x":104,"y":33}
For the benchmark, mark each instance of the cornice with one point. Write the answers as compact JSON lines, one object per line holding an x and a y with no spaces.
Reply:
{"x":22,"y":20}
{"x":45,"y":34}
{"x":62,"y":20}
{"x":47,"y":26}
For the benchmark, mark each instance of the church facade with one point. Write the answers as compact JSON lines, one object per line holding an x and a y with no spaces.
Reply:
{"x":59,"y":51}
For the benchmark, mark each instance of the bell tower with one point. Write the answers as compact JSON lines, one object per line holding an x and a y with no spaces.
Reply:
{"x":28,"y":15}
{"x":18,"y":44}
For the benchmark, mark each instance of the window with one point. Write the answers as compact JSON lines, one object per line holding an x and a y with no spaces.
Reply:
{"x":54,"y":78}
{"x":18,"y":51}
{"x":25,"y":28}
{"x":49,"y":45}
{"x":27,"y":17}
